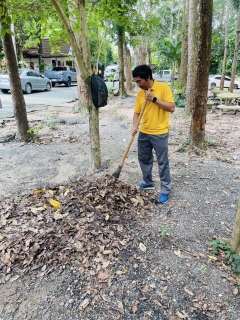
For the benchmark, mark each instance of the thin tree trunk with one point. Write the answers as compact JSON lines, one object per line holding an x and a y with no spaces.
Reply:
{"x":235,"y":240}
{"x":19,"y":106}
{"x":226,"y":46}
{"x":236,"y":53}
{"x":121,"y":60}
{"x":197,"y":130}
{"x":192,"y":56}
{"x":128,"y":69}
{"x":81,"y":48}
{"x":182,"y":79}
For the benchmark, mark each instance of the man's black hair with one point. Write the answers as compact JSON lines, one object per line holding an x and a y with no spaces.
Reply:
{"x":143,"y":71}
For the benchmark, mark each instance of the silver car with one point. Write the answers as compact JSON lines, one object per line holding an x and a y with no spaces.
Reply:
{"x":30,"y":80}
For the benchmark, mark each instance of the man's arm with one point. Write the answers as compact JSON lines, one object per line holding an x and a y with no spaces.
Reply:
{"x":135,"y":120}
{"x":167,"y":106}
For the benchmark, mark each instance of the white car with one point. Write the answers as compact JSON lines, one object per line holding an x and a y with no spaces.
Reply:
{"x":214,"y":81}
{"x":110,"y":70}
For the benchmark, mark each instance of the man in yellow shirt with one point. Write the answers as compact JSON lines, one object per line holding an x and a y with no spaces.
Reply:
{"x":153,"y":133}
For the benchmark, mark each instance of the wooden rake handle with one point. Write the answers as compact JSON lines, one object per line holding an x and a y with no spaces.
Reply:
{"x":132,"y":138}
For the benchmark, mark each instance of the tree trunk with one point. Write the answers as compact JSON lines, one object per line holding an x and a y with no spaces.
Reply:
{"x":235,"y":239}
{"x":197,"y":130}
{"x":236,"y":52}
{"x":128,"y":70}
{"x":182,"y":79}
{"x":19,"y":106}
{"x":226,"y":46}
{"x":121,"y":60}
{"x":80,"y":44}
{"x":192,"y":56}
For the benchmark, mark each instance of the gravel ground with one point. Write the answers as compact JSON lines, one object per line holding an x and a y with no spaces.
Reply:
{"x":156,"y":263}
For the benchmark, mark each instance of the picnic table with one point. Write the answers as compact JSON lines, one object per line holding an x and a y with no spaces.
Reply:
{"x":228,"y":101}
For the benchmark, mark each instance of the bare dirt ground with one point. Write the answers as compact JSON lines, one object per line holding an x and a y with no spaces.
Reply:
{"x":77,"y":244}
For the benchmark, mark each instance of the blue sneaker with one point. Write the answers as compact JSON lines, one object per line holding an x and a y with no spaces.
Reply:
{"x":163,"y":198}
{"x":145,"y":186}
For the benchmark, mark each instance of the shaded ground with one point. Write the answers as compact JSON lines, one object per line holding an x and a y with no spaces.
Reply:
{"x":111,"y":251}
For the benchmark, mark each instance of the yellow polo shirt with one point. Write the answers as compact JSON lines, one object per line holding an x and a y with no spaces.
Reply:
{"x":155,"y":120}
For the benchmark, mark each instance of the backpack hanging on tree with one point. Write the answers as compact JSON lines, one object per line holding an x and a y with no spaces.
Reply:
{"x":99,"y":91}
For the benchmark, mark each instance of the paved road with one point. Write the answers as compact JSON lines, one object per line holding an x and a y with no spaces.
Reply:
{"x":57,"y":96}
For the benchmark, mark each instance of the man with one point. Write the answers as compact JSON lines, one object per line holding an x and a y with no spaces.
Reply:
{"x":154,"y":128}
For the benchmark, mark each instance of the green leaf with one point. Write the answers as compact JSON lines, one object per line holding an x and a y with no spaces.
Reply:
{"x":212,"y":258}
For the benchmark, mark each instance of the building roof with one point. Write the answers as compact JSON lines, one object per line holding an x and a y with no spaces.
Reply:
{"x":33,"y":52}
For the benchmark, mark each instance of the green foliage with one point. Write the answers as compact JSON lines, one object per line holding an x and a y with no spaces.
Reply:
{"x":233,"y":260}
{"x":179,"y":96}
{"x":33,"y":131}
{"x":164,"y":232}
{"x":183,"y":146}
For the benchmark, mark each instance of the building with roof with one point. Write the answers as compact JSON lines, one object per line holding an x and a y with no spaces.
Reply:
{"x":41,"y":56}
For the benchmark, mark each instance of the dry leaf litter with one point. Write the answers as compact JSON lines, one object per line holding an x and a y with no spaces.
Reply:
{"x":99,"y":248}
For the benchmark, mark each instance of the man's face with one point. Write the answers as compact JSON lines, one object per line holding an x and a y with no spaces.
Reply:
{"x":142,"y":83}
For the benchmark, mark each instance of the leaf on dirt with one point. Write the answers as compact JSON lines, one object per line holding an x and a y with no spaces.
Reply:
{"x":36,"y":210}
{"x":120,"y":306}
{"x":37,"y":192}
{"x":125,"y":269}
{"x":107,"y":251}
{"x":157,"y":303}
{"x":105,"y":264}
{"x":55,"y":204}
{"x":103,"y":275}
{"x":235,"y":291}
{"x":119,"y":272}
{"x":107,"y":217}
{"x":182,"y":315}
{"x":142,"y":247}
{"x":134,"y":308}
{"x":178,"y":253}
{"x":84,"y":304}
{"x":66,"y":192}
{"x":212,"y":258}
{"x":146,"y":288}
{"x":188,"y":291}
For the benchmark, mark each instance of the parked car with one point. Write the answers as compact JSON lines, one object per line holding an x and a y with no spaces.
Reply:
{"x":110,"y":70}
{"x":61,"y":74}
{"x":30,"y":80}
{"x":214,"y":81}
{"x":164,"y":75}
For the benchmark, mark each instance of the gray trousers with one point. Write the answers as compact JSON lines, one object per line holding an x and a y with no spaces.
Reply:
{"x":146,"y":144}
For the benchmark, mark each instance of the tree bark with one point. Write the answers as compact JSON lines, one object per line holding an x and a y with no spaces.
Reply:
{"x":128,"y":69}
{"x":226,"y":46}
{"x":236,"y":52}
{"x":19,"y":106}
{"x":197,"y":130}
{"x":121,"y":60}
{"x":235,"y":240}
{"x":192,"y":56}
{"x":80,"y":44}
{"x":182,"y":79}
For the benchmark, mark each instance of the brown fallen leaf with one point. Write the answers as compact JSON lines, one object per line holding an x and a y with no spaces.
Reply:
{"x":142,"y":247}
{"x":182,"y":315}
{"x":235,"y":291}
{"x":84,"y":304}
{"x":134,"y":308}
{"x":188,"y":291}
{"x":103,"y":275}
{"x":120,"y":306}
{"x":178,"y":253}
